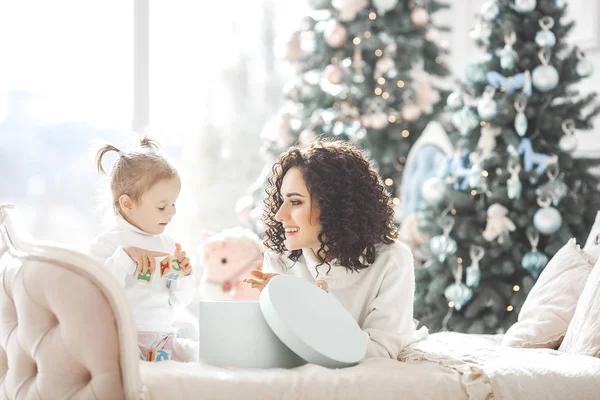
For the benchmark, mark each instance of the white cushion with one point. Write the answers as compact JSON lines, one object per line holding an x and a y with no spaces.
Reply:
{"x":550,"y":305}
{"x":592,"y":244}
{"x":583,"y":335}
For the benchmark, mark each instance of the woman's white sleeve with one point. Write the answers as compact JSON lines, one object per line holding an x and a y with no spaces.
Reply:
{"x":389,"y":326}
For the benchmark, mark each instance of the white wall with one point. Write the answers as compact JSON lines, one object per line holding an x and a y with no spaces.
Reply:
{"x":586,"y":35}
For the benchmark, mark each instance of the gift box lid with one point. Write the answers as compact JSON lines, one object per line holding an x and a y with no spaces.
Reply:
{"x":312,"y":322}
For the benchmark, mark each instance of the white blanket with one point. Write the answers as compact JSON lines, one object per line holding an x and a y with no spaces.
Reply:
{"x":376,"y":378}
{"x":512,"y":373}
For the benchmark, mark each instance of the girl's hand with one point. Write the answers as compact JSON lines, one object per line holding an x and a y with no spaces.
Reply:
{"x":144,"y":259}
{"x":259,"y":279}
{"x":183,"y":260}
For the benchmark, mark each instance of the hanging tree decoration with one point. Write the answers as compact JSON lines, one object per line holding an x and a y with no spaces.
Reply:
{"x":545,"y":77}
{"x":521,"y":123}
{"x":525,"y":6}
{"x":555,"y":189}
{"x":534,"y":260}
{"x":443,"y":245}
{"x":498,"y":224}
{"x":457,"y":293}
{"x":487,"y":140}
{"x":545,"y":38}
{"x":487,"y":107}
{"x":508,"y":56}
{"x":584,"y":66}
{"x":547,"y":219}
{"x":568,"y":143}
{"x":473,"y":272}
{"x":513,"y":184}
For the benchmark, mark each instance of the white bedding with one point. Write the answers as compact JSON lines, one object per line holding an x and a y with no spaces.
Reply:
{"x":375,"y":378}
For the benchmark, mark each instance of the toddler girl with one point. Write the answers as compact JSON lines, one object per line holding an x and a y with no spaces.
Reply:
{"x":144,"y":188}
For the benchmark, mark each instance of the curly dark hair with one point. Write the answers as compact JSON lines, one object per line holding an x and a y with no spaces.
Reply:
{"x":356,"y":211}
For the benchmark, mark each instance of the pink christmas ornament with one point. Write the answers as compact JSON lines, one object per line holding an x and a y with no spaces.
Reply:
{"x":336,"y":34}
{"x":334,"y":73}
{"x":419,"y":16}
{"x":384,"y":65}
{"x":348,"y":9}
{"x":410,"y":112}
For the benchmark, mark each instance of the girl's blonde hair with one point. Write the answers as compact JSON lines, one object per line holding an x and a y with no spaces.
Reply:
{"x":135,"y":172}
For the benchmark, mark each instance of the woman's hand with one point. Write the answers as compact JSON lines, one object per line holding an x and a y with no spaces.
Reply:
{"x":183,"y":260}
{"x":258,"y":278}
{"x":144,"y":259}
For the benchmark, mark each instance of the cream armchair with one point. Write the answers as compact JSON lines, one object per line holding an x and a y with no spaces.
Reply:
{"x":66,"y":330}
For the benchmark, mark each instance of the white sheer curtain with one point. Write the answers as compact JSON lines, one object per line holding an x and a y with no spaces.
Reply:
{"x":215,"y":80}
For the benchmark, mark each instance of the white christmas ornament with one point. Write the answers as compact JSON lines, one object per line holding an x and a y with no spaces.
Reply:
{"x":525,"y":6}
{"x":568,"y":143}
{"x":498,"y":224}
{"x":584,"y":67}
{"x":490,"y":10}
{"x":348,"y":9}
{"x":544,"y":77}
{"x":384,"y":6}
{"x":433,"y":190}
{"x":547,"y":219}
{"x":454,"y":100}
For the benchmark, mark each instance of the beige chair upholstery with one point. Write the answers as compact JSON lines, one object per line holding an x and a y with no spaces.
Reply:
{"x":66,"y":331}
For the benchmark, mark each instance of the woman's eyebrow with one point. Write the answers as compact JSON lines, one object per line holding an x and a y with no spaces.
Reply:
{"x":293,"y":194}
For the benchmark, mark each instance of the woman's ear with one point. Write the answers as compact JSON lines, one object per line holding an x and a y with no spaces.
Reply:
{"x":125,"y":203}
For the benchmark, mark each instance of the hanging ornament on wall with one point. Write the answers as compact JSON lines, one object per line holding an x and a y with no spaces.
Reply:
{"x":513,"y":184}
{"x":545,"y":38}
{"x":555,"y":189}
{"x":508,"y":56}
{"x":545,"y":77}
{"x":335,"y":34}
{"x":521,"y":123}
{"x":524,"y":6}
{"x":534,"y":260}
{"x":568,"y":142}
{"x":584,"y":67}
{"x":443,"y":245}
{"x":457,"y":293}
{"x":547,"y":219}
{"x":490,"y":11}
{"x":487,"y":107}
{"x":473,"y":272}
{"x":498,"y":224}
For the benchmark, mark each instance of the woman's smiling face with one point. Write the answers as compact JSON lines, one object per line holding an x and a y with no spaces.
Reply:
{"x":298,"y":215}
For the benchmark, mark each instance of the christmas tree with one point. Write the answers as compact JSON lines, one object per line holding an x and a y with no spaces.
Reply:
{"x":511,"y":193}
{"x":364,"y":72}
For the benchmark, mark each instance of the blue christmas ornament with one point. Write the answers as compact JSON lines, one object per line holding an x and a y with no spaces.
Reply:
{"x":521,"y":123}
{"x":475,"y":73}
{"x":513,"y":184}
{"x":465,"y":120}
{"x":459,"y":294}
{"x":442,"y":246}
{"x":473,"y":272}
{"x":532,"y":158}
{"x":584,"y":67}
{"x":547,"y":219}
{"x":534,"y":261}
{"x":545,"y":38}
{"x":508,"y":56}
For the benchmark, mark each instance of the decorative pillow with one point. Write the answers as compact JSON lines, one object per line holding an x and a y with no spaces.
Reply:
{"x":551,"y":303}
{"x":583,"y":335}
{"x":592,"y":244}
